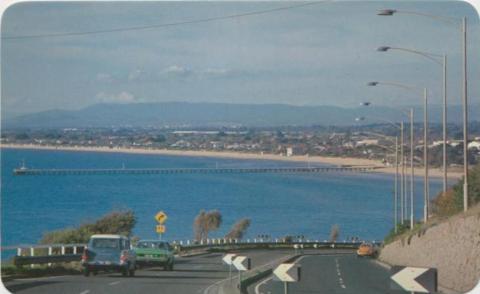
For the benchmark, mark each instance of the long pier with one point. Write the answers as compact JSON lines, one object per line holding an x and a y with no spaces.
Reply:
{"x":23,"y":171}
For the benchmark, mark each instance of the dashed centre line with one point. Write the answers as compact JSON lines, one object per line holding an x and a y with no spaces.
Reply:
{"x":340,"y":279}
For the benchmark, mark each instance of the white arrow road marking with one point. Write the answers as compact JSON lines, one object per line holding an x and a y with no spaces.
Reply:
{"x":114,"y":283}
{"x":85,"y":292}
{"x":406,"y":279}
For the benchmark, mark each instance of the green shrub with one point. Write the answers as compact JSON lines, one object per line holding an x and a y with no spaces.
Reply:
{"x":451,"y":202}
{"x":117,"y":222}
{"x":239,"y":229}
{"x":401,"y":229}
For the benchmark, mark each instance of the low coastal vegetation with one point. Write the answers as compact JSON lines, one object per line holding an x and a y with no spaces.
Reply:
{"x":334,"y":233}
{"x":209,"y":221}
{"x":239,"y":229}
{"x":205,"y":222}
{"x":116,"y":222}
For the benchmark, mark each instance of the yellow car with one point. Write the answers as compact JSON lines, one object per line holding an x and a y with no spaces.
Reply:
{"x":366,"y":249}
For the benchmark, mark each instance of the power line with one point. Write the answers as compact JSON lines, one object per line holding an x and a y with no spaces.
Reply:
{"x":157,"y":26}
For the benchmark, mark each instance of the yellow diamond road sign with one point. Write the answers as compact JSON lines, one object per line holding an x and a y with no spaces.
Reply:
{"x":161,"y":229}
{"x":161,"y":217}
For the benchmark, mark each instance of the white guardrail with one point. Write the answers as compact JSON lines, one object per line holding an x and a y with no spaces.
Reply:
{"x":51,"y":253}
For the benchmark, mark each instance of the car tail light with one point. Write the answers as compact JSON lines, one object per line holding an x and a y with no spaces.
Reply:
{"x":85,"y":255}
{"x":123,"y":257}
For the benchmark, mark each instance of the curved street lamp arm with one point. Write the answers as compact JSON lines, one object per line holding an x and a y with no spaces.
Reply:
{"x":444,"y":19}
{"x":390,"y":149}
{"x":386,"y":121}
{"x":404,"y":86}
{"x":422,"y":53}
{"x":389,"y":138}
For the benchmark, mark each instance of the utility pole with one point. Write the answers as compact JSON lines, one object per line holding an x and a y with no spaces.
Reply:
{"x":396,"y":186}
{"x":412,"y":172}
{"x":402,"y":177}
{"x":465,"y":117}
{"x":426,"y":197}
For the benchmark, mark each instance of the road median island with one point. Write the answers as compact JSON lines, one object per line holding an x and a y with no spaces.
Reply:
{"x":228,"y":286}
{"x":263,"y":271}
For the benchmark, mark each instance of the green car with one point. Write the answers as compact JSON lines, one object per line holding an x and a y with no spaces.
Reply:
{"x":154,"y":253}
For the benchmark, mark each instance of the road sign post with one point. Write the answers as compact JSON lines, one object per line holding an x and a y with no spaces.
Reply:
{"x":414,"y":279}
{"x":161,"y":218}
{"x":241,"y":263}
{"x":228,"y":259}
{"x":287,"y":273}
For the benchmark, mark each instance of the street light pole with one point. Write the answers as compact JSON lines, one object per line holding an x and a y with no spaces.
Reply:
{"x":445,"y":167}
{"x":465,"y":117}
{"x":396,"y":168}
{"x":435,"y":58}
{"x":426,"y":196}
{"x":402,"y":179}
{"x":412,"y":88}
{"x":451,"y":21}
{"x":412,"y":171}
{"x":396,"y":185}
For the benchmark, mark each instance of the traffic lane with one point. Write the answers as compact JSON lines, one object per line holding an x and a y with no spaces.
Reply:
{"x":190,"y":275}
{"x":327,"y":274}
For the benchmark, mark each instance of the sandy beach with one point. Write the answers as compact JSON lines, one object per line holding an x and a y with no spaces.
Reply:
{"x":337,"y":161}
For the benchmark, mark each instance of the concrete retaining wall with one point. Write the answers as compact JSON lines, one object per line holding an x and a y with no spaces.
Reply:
{"x":452,"y":246}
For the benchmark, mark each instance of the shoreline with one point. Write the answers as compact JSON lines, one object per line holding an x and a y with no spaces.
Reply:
{"x":336,"y":161}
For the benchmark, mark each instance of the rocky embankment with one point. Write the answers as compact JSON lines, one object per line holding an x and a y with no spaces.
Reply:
{"x":452,"y":246}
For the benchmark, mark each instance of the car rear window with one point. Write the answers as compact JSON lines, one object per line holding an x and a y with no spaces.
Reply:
{"x":105,"y":243}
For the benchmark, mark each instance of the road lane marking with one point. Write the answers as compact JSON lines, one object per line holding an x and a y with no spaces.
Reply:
{"x":114,"y":283}
{"x":257,"y":287}
{"x":340,"y":279}
{"x":42,"y":278}
{"x":214,"y":284}
{"x":85,"y":292}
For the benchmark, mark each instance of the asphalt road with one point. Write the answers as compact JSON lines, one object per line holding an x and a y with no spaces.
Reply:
{"x":191,"y":275}
{"x":331,"y":274}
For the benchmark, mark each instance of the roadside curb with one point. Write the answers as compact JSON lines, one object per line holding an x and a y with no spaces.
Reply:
{"x":193,"y":254}
{"x":247,"y":282}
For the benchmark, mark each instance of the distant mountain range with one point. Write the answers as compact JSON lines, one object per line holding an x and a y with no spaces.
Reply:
{"x":186,"y":114}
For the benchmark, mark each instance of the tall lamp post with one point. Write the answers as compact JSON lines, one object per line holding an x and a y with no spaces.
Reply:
{"x":395,"y":205}
{"x":425,"y":153}
{"x":435,"y":58}
{"x":455,"y":22}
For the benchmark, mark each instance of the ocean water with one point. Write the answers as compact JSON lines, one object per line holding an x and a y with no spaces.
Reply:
{"x":277,"y":204}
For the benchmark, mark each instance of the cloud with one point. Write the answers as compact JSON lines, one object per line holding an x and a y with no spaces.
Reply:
{"x":216,"y":71}
{"x":122,"y":97}
{"x":181,"y":71}
{"x":177,"y":70}
{"x":135,"y":75}
{"x":104,"y":77}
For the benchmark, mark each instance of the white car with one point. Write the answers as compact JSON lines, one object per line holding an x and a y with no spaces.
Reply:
{"x":109,"y":253}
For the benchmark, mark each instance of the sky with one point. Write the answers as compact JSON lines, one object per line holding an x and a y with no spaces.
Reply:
{"x":318,"y":54}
